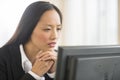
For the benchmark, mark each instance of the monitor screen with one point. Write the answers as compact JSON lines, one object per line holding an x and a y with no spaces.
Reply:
{"x":88,"y":63}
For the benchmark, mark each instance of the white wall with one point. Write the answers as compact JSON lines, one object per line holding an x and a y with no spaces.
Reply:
{"x":90,"y":22}
{"x":10,"y":14}
{"x":85,"y":22}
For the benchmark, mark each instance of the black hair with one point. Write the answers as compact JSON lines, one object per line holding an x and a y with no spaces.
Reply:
{"x":29,"y":20}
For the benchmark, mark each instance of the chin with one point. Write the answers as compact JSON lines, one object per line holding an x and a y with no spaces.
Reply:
{"x":48,"y":49}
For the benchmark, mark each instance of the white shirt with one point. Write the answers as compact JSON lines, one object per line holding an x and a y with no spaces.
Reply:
{"x":27,"y":66}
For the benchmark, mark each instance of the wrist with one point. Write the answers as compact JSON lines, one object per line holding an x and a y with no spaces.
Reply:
{"x":36,"y":72}
{"x":37,"y":77}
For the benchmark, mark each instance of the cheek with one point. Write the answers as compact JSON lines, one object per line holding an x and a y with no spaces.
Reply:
{"x":39,"y":37}
{"x":42,"y":37}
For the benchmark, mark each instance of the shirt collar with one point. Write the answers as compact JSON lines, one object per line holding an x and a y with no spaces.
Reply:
{"x":24,"y":58}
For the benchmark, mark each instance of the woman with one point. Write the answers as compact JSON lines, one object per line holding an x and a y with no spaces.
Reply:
{"x":30,"y":54}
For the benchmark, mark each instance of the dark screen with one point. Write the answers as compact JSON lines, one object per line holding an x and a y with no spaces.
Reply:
{"x":88,"y":63}
{"x":94,"y":68}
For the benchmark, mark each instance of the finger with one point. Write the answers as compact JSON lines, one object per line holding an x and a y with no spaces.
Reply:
{"x":49,"y":56}
{"x":50,"y":63}
{"x":41,"y":54}
{"x":44,"y":54}
{"x":46,"y":58}
{"x":37,"y":56}
{"x":53,"y":58}
{"x":47,"y":64}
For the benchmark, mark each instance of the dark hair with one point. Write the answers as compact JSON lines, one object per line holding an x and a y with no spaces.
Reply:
{"x":29,"y":20}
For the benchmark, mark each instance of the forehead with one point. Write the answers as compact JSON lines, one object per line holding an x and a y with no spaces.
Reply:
{"x":50,"y":16}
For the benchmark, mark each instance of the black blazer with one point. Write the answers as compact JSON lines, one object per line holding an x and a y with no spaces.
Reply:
{"x":10,"y":65}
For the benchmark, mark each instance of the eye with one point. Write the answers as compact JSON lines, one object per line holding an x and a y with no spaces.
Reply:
{"x":47,"y":29}
{"x":59,"y":29}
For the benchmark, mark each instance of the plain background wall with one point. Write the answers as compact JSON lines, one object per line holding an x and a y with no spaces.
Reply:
{"x":85,"y":22}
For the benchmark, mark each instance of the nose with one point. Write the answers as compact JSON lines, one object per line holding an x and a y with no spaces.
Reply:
{"x":54,"y":35}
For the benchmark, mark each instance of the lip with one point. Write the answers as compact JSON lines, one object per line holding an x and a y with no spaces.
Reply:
{"x":52,"y":44}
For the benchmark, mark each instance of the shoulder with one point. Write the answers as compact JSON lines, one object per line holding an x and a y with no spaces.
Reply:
{"x":3,"y":56}
{"x":4,"y":50}
{"x":7,"y":50}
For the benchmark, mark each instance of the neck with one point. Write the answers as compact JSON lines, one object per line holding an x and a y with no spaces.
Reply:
{"x":30,"y":51}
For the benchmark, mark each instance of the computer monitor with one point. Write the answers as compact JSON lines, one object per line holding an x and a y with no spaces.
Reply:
{"x":88,"y":63}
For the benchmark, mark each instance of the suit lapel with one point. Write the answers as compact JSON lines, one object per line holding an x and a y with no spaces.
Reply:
{"x":17,"y":70}
{"x":16,"y":62}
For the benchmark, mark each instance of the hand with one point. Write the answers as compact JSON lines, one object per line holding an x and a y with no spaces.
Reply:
{"x":49,"y":55}
{"x":53,"y":67}
{"x":40,"y":67}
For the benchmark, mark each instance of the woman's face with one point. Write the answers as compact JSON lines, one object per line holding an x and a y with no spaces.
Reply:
{"x":47,"y":31}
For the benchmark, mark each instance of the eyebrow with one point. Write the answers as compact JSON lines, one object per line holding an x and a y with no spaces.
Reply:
{"x":60,"y":25}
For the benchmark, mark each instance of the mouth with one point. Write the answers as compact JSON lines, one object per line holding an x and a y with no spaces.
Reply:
{"x":52,"y":44}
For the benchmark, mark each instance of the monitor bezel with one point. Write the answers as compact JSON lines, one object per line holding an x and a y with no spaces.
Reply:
{"x":65,"y":51}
